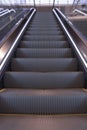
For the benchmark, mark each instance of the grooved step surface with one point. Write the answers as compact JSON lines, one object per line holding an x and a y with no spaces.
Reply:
{"x":43,"y":80}
{"x":44,"y":29}
{"x":47,"y":38}
{"x":43,"y":101}
{"x":44,"y":33}
{"x":44,"y":65}
{"x":37,"y":24}
{"x":45,"y":23}
{"x":39,"y":122}
{"x":44,"y":53}
{"x":44,"y":44}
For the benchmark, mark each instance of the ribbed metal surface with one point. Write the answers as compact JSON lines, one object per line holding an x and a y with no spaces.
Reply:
{"x":46,"y":38}
{"x":43,"y":101}
{"x":44,"y":44}
{"x":40,"y":122}
{"x":44,"y":53}
{"x":44,"y":33}
{"x":44,"y":80}
{"x":44,"y":65}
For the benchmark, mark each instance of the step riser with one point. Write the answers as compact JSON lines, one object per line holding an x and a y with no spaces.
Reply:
{"x":45,"y":65}
{"x":44,"y":29}
{"x":43,"y":33}
{"x":43,"y":44}
{"x":44,"y":80}
{"x":43,"y":26}
{"x":49,"y":38}
{"x":25,"y":104}
{"x":44,"y":53}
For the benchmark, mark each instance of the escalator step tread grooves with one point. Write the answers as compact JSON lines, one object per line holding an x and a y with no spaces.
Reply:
{"x":44,"y":53}
{"x":44,"y":44}
{"x":44,"y":80}
{"x":43,"y":101}
{"x":44,"y":65}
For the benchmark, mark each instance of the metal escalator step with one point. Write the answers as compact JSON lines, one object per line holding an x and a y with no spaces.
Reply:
{"x":44,"y":15}
{"x":44,"y":19}
{"x":43,"y":33}
{"x":40,"y":80}
{"x":24,"y":101}
{"x":47,"y":22}
{"x":44,"y":65}
{"x":44,"y":53}
{"x":43,"y":122}
{"x":45,"y":37}
{"x":43,"y":26}
{"x":43,"y":29}
{"x":44,"y":44}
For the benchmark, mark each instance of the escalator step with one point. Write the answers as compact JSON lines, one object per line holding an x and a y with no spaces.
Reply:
{"x":43,"y":122}
{"x":44,"y":44}
{"x":39,"y":80}
{"x":44,"y":53}
{"x":50,"y":23}
{"x":43,"y":29}
{"x":45,"y":26}
{"x":38,"y":25}
{"x":44,"y":33}
{"x":24,"y":101}
{"x":44,"y":65}
{"x":47,"y":38}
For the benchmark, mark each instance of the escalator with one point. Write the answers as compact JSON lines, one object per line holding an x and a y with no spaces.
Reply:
{"x":44,"y":87}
